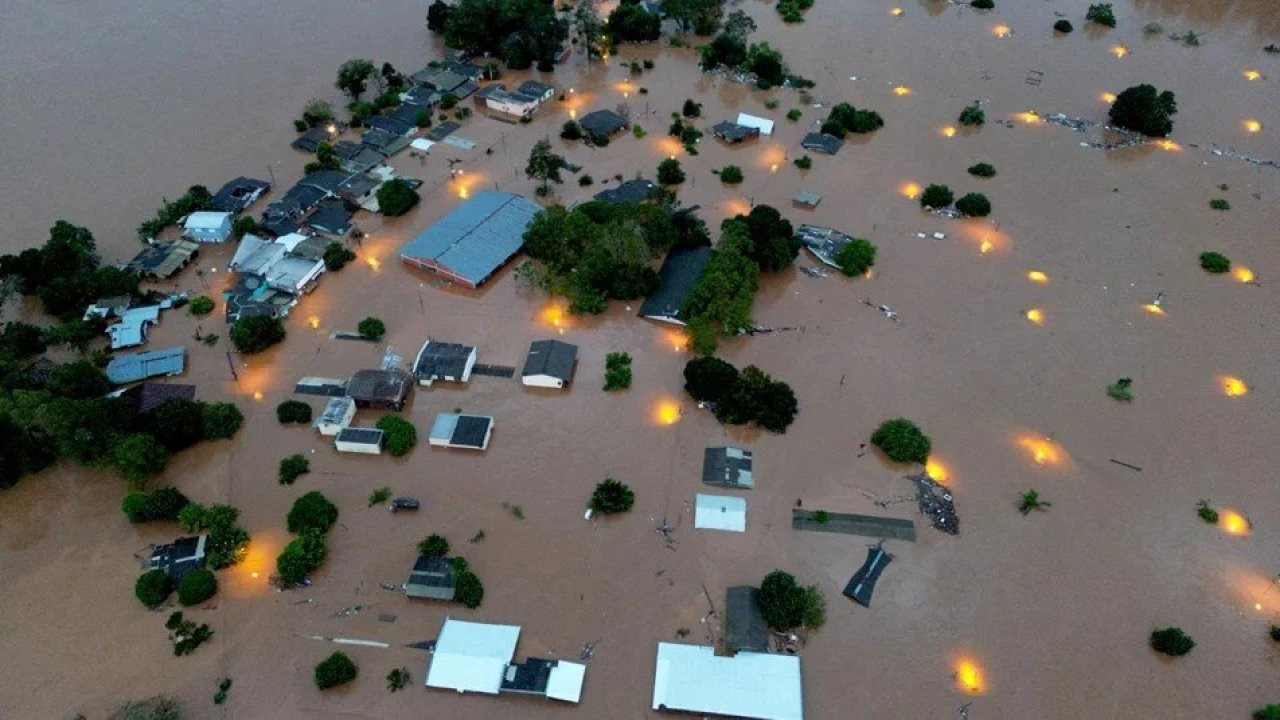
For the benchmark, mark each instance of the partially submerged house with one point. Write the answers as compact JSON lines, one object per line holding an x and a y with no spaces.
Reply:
{"x":331,"y":217}
{"x":549,"y":364}
{"x":337,"y":415}
{"x":456,"y":430}
{"x":380,"y":389}
{"x":383,"y":142}
{"x":236,"y":196}
{"x":149,"y":396}
{"x":727,"y":467}
{"x":473,"y":240}
{"x":359,"y":440}
{"x":180,"y":557}
{"x":160,"y":260}
{"x":450,"y":362}
{"x":822,"y":143}
{"x":478,"y":657}
{"x":720,"y":512}
{"x":310,"y":140}
{"x":733,"y":133}
{"x":679,"y":274}
{"x":823,"y":243}
{"x":763,"y":125}
{"x":131,"y":331}
{"x":123,"y":369}
{"x":603,"y":122}
{"x":693,"y":679}
{"x":512,"y":103}
{"x":745,"y":628}
{"x":207,"y":226}
{"x":275,"y":267}
{"x":806,"y":200}
{"x":432,"y":578}
{"x":634,"y":191}
{"x":356,"y":158}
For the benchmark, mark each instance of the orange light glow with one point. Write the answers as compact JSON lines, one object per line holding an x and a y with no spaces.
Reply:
{"x":910,"y":190}
{"x":1242,"y":274}
{"x":1108,"y":97}
{"x":463,"y":192}
{"x":314,"y":321}
{"x":986,"y":247}
{"x":1001,"y":30}
{"x":936,"y":470}
{"x":948,"y":131}
{"x":773,"y":168}
{"x":675,"y":339}
{"x":1043,"y":451}
{"x":1169,"y":145}
{"x":573,"y":114}
{"x":1233,"y":523}
{"x":1252,"y":126}
{"x":901,"y":90}
{"x":667,"y":412}
{"x":969,"y":676}
{"x":1153,"y":309}
{"x":1029,"y":117}
{"x":1038,"y":276}
{"x":373,"y":262}
{"x":1251,"y":75}
{"x":896,"y":12}
{"x":1119,"y":51}
{"x":1233,"y":386}
{"x":869,"y":273}
{"x":257,"y":395}
{"x":554,"y":315}
{"x":1035,"y":316}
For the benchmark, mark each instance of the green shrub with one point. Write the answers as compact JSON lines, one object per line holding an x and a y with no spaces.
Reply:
{"x":972,"y":115}
{"x":301,"y":556}
{"x":1143,"y":109}
{"x":586,"y":181}
{"x":1268,"y":712}
{"x":983,"y":4}
{"x":974,"y":205}
{"x":1119,"y":390}
{"x":336,"y":256}
{"x":153,"y":708}
{"x":256,"y":333}
{"x":786,"y":604}
{"x":1063,"y":26}
{"x":856,"y":257}
{"x":371,"y":328}
{"x":571,"y":130}
{"x":292,"y":467}
{"x":1274,"y":633}
{"x":379,"y":496}
{"x":1219,"y":204}
{"x":1206,"y":512}
{"x":1215,"y":262}
{"x":708,"y":379}
{"x":804,"y":162}
{"x":936,"y":196}
{"x":335,"y":670}
{"x":398,"y":679}
{"x":396,"y":197}
{"x":771,"y":103}
{"x":468,"y":590}
{"x":293,"y":411}
{"x":153,"y":587}
{"x":398,"y":434}
{"x":902,"y":441}
{"x":434,"y":546}
{"x":691,"y":109}
{"x":1101,"y":14}
{"x":312,"y":511}
{"x":1171,"y":641}
{"x":617,"y":371}
{"x":669,"y":172}
{"x":611,"y":496}
{"x":822,"y":517}
{"x":982,"y":170}
{"x":638,"y":131}
{"x":197,"y":586}
{"x":164,"y":503}
{"x":731,"y":174}
{"x":221,"y":420}
{"x":200,"y":304}
{"x":794,"y":114}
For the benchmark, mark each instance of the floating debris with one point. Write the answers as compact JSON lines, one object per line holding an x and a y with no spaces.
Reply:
{"x":936,"y":502}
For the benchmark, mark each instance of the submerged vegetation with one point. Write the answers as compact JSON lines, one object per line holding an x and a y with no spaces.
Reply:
{"x":617,"y":371}
{"x":787,"y":605}
{"x":741,"y":397}
{"x":845,"y":118}
{"x":1145,"y":110}
{"x":902,"y":441}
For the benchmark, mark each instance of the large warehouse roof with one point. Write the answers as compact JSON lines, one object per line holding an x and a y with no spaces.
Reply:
{"x":475,"y":238}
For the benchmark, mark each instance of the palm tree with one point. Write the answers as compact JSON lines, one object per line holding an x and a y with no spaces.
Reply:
{"x":1031,"y":501}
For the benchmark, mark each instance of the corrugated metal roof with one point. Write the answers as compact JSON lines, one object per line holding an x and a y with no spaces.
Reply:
{"x":720,"y":512}
{"x":471,"y":657}
{"x":680,"y":272}
{"x":476,"y":237}
{"x":691,"y":678}
{"x":140,"y":366}
{"x":206,"y":220}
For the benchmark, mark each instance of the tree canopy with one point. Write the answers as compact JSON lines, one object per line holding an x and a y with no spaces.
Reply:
{"x":399,"y":434}
{"x":737,"y":398}
{"x":632,"y":22}
{"x":434,"y":546}
{"x":772,"y":241}
{"x":786,"y":604}
{"x":335,"y":670}
{"x":1145,"y":110}
{"x":544,"y":166}
{"x":371,"y":328}
{"x":611,"y":496}
{"x":64,"y":273}
{"x":312,"y":511}
{"x":902,"y":441}
{"x":256,"y":333}
{"x":353,"y":77}
{"x":521,"y":32}
{"x":396,"y":197}
{"x":845,"y":118}
{"x":301,"y":557}
{"x":857,"y":257}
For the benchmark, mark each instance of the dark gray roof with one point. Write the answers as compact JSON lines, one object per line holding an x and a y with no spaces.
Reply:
{"x":331,"y":217}
{"x":680,"y":272}
{"x":530,"y":676}
{"x":636,"y":190}
{"x":164,"y":259}
{"x":179,"y":557}
{"x":603,"y":122}
{"x":470,"y":430}
{"x":822,"y":142}
{"x":238,"y":194}
{"x":367,"y":436}
{"x":489,"y":89}
{"x":476,"y":237}
{"x":431,"y":578}
{"x":551,"y":357}
{"x":733,"y":132}
{"x":443,"y":130}
{"x":299,"y":199}
{"x":407,"y":113}
{"x":863,"y":583}
{"x":310,"y":140}
{"x":357,"y":186}
{"x":727,"y":466}
{"x":534,"y":89}
{"x":278,"y":225}
{"x":439,"y":360}
{"x":152,"y":395}
{"x":390,"y":124}
{"x":378,"y":386}
{"x":463,"y":68}
{"x":325,"y":180}
{"x":357,"y":158}
{"x":744,"y":624}
{"x":386,"y":143}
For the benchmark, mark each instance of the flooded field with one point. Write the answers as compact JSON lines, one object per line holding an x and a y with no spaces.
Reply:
{"x":108,"y":110}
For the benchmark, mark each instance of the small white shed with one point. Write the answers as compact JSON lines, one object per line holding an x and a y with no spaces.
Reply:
{"x":359,"y":440}
{"x":208,"y":227}
{"x":336,"y":417}
{"x":720,"y":512}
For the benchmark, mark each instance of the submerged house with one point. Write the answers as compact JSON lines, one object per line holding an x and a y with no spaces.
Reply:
{"x":123,"y":369}
{"x":733,"y":133}
{"x":149,"y":396}
{"x":478,"y":657}
{"x":161,"y":260}
{"x":823,"y":243}
{"x":550,"y":364}
{"x":693,"y":679}
{"x":634,"y":191}
{"x":763,"y":125}
{"x":822,"y":143}
{"x":179,"y":557}
{"x":745,"y":628}
{"x":456,"y":430}
{"x":473,"y":240}
{"x":450,"y":362}
{"x":727,"y":467}
{"x":359,"y":440}
{"x":337,"y":415}
{"x":603,"y":122}
{"x":432,"y":578}
{"x":380,"y":389}
{"x":720,"y":512}
{"x":679,"y":274}
{"x":236,"y":196}
{"x":207,"y":226}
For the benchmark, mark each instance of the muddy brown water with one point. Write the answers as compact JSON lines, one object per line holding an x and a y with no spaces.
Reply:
{"x":109,"y":109}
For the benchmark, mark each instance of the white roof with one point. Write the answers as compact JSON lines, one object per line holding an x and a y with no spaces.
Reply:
{"x":692,"y":678}
{"x":291,"y":273}
{"x":205,"y":220}
{"x":565,"y":681}
{"x":765,"y":125}
{"x":132,"y":328}
{"x":290,"y":241}
{"x":422,"y":144}
{"x":720,"y":512}
{"x":472,"y":657}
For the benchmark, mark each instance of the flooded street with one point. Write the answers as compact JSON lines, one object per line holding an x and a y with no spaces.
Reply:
{"x":110,"y":109}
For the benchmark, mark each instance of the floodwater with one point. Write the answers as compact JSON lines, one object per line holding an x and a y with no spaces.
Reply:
{"x":110,"y":108}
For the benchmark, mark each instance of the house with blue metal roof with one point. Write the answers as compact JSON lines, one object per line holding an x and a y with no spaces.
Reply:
{"x":124,"y":369}
{"x":476,"y":238}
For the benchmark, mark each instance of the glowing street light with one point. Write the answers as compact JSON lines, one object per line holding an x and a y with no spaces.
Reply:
{"x":934,"y":468}
{"x":1035,"y":316}
{"x":1120,"y":51}
{"x":1169,"y":145}
{"x":1252,"y":75}
{"x":1153,"y":309}
{"x":1233,"y":386}
{"x":314,"y":321}
{"x":1242,"y":274}
{"x":910,"y":190}
{"x":373,"y":263}
{"x":896,"y":12}
{"x":1233,"y":523}
{"x":1001,"y":31}
{"x":1042,"y":450}
{"x":1108,"y":97}
{"x":948,"y":130}
{"x":1029,"y":117}
{"x":986,"y":247}
{"x":901,"y":90}
{"x":667,"y":413}
{"x":968,"y":676}
{"x":1038,"y":276}
{"x":1252,"y":126}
